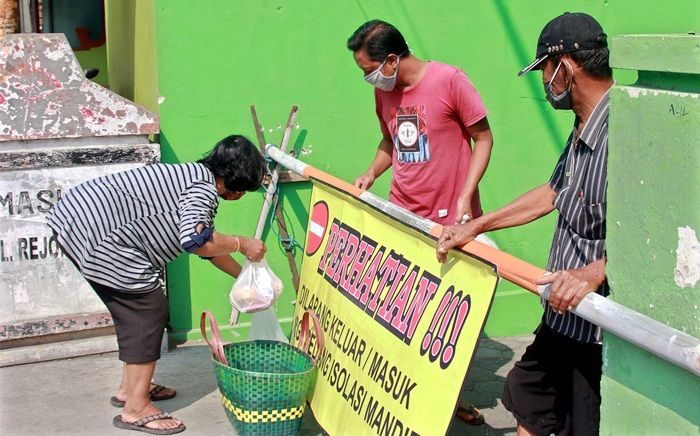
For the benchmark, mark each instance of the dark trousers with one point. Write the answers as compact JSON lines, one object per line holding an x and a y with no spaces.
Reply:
{"x":555,"y":387}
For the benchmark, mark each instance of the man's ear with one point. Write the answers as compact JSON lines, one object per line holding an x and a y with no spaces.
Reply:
{"x":571,"y":63}
{"x":393,"y":60}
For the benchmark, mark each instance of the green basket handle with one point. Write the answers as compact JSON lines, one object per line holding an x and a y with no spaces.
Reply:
{"x":215,"y":346}
{"x":305,"y":335}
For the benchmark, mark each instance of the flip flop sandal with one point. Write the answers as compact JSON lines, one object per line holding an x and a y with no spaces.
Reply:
{"x":153,"y":393}
{"x":469,"y":415}
{"x":140,"y":425}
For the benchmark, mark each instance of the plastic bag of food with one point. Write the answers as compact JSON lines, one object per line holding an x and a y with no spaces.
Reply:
{"x":256,"y":288}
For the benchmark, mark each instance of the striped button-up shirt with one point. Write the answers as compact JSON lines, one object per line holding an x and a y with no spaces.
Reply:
{"x":580,"y":180}
{"x":121,"y":229}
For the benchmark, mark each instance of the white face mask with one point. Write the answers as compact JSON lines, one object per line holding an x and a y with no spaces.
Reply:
{"x":385,"y":83}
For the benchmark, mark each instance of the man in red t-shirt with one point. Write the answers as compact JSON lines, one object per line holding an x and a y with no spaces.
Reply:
{"x":429,"y":114}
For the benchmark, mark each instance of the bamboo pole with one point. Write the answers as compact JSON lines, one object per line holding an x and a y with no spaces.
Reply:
{"x":258,"y":129}
{"x":272,"y":186}
{"x":270,"y":196}
{"x":282,"y":226}
{"x":657,"y":338}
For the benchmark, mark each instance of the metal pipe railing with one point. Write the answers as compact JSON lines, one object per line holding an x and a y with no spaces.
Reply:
{"x":653,"y":336}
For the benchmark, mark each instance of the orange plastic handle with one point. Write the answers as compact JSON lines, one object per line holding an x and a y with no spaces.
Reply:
{"x":216,"y":346}
{"x":305,"y":334}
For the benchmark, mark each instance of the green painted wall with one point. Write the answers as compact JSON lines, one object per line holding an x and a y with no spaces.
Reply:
{"x":131,"y":50}
{"x":145,"y":67}
{"x":654,"y":189}
{"x":119,"y":25}
{"x":95,"y":58}
{"x":217,"y":57}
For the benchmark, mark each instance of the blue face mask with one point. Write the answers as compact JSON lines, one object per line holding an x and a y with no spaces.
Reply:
{"x":558,"y":101}
{"x":380,"y":81}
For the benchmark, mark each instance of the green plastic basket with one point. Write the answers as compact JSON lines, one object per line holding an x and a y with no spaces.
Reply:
{"x":264,"y":385}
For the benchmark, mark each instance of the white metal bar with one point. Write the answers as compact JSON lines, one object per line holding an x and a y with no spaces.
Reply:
{"x":285,"y":160}
{"x":646,"y":333}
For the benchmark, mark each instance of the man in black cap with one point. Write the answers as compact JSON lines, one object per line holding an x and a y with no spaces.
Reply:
{"x":555,"y":387}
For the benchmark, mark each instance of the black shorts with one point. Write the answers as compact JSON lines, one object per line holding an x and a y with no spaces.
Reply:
{"x":555,"y":387}
{"x":139,"y":320}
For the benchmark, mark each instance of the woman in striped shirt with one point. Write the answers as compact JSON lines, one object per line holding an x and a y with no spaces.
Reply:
{"x":121,"y":229}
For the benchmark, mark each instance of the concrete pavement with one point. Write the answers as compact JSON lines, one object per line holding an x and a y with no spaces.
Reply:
{"x":71,"y":396}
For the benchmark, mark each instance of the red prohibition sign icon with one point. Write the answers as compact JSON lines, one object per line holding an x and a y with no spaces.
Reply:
{"x":317,"y":227}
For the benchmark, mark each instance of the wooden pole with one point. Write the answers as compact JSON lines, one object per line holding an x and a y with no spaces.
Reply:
{"x":287,"y":247}
{"x":274,"y":199}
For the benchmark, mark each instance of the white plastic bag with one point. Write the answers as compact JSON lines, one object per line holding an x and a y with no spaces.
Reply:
{"x":256,"y":288}
{"x":265,"y":325}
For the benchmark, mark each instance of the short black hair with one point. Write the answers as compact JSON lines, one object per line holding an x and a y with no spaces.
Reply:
{"x":379,"y":39}
{"x":594,"y":62}
{"x":238,"y":162}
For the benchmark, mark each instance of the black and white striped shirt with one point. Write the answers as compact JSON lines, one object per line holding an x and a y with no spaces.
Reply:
{"x":121,"y":229}
{"x":580,"y":180}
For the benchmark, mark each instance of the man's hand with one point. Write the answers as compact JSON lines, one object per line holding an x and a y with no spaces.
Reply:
{"x":452,"y":236}
{"x":464,"y":207}
{"x":253,"y":249}
{"x":569,"y":287}
{"x":365,"y":181}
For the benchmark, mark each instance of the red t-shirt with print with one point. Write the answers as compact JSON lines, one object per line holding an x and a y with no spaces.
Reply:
{"x":427,"y":125}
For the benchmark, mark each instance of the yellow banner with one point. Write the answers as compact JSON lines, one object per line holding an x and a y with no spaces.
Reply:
{"x":400,"y":328}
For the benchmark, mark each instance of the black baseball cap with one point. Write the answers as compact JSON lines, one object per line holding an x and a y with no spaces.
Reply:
{"x":567,"y":33}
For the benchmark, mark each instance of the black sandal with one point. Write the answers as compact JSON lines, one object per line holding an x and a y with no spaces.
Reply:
{"x":140,"y":424}
{"x":470,"y":415}
{"x":153,"y":393}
